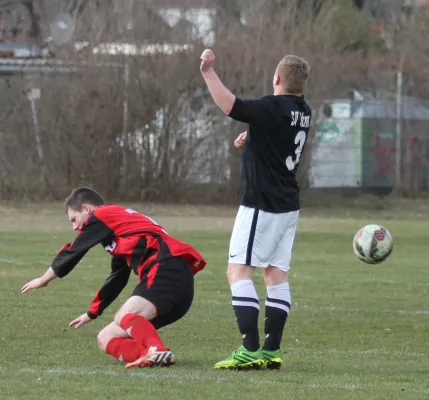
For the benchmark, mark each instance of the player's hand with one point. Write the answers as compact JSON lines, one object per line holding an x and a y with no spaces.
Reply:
{"x":239,"y":142}
{"x":34,"y":284}
{"x":79,"y":321}
{"x":207,"y":60}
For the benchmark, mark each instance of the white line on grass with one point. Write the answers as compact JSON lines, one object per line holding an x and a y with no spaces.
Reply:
{"x":16,"y":262}
{"x":6,"y":261}
{"x":369,"y":352}
{"x":185,"y":376}
{"x":144,"y":374}
{"x":206,"y":272}
{"x":359,"y":310}
{"x":217,"y":302}
{"x":405,"y":283}
{"x":162,"y":375}
{"x":299,"y":307}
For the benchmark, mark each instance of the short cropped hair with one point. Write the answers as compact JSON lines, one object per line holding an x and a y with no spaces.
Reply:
{"x":293,"y":72}
{"x":80,"y":196}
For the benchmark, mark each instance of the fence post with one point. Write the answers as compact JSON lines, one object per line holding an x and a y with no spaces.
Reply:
{"x":398,"y":154}
{"x":125,"y":128}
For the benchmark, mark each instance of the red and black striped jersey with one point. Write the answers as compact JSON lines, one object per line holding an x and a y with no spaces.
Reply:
{"x":134,"y":241}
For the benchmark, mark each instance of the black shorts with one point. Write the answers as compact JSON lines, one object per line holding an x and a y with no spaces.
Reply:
{"x":169,"y":286}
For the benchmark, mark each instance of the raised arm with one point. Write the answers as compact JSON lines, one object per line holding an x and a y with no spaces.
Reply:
{"x":257,"y":112}
{"x":223,"y":98}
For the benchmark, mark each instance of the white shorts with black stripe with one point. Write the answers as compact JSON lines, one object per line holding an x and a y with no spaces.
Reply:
{"x":263,"y":239}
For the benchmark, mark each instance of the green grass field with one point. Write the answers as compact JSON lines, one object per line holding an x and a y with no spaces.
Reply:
{"x":356,"y":331}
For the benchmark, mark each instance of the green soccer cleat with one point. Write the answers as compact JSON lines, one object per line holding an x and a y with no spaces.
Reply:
{"x":273,"y":359}
{"x":242,"y":359}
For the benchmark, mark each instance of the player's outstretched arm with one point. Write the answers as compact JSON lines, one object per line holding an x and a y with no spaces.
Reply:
{"x":39,"y":282}
{"x":111,"y":289}
{"x":79,"y":321}
{"x":223,"y":98}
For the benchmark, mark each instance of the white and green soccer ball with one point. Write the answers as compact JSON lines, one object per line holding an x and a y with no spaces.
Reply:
{"x":372,"y":244}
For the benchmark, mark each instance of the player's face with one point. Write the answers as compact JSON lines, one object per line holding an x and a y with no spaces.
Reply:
{"x":77,"y":218}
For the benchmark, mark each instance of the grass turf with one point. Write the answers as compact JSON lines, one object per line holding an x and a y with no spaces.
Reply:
{"x":356,"y":331}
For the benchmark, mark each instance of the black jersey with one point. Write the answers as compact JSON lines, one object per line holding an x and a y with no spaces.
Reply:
{"x":278,"y":130}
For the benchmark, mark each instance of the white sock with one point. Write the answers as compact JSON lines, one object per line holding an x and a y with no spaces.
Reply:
{"x":244,"y":294}
{"x":278,"y":295}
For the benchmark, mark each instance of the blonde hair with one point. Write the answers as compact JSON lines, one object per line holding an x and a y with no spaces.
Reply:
{"x":293,"y":72}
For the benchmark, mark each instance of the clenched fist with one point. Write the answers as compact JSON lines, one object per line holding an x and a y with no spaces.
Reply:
{"x":207,"y":60}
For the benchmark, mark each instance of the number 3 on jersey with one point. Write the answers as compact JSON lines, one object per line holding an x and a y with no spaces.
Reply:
{"x":299,"y":140}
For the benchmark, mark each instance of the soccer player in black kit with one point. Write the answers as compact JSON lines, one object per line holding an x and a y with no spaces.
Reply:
{"x":164,"y":265}
{"x":267,"y":218}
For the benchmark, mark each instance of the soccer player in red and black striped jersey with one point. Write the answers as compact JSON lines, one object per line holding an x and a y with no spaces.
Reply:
{"x":164,"y":265}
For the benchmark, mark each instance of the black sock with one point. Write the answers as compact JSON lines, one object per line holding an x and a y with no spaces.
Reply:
{"x":246,"y":307}
{"x":277,"y":307}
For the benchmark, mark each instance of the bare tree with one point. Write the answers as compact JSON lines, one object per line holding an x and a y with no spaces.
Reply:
{"x":157,"y":135}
